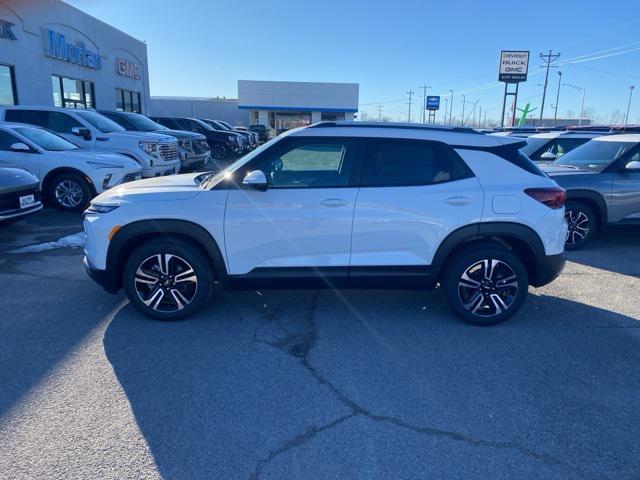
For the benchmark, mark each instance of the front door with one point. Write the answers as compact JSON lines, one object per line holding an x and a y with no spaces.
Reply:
{"x":301,"y":225}
{"x":625,"y":194}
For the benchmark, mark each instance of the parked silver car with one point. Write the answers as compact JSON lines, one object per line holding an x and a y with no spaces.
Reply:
{"x":19,"y":195}
{"x":602,"y":180}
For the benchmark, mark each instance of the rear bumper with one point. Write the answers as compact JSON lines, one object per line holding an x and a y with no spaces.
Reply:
{"x":548,"y":267}
{"x":104,"y":278}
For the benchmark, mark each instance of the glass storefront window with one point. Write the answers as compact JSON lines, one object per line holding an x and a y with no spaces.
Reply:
{"x":71,"y":93}
{"x":128,"y":101}
{"x":7,"y":86}
{"x":287,"y":120}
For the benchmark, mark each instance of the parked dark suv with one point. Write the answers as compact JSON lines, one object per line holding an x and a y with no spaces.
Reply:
{"x":261,"y":130}
{"x":222,"y":144}
{"x":218,"y":125}
{"x":193,"y":147}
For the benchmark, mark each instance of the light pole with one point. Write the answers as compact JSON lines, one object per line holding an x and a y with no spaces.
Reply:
{"x":584,"y":91}
{"x":464,"y":102}
{"x":555,"y":110}
{"x":446,"y":109}
{"x":450,"y":109}
{"x":626,"y":117}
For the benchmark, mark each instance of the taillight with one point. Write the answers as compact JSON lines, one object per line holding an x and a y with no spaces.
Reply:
{"x":553,"y":197}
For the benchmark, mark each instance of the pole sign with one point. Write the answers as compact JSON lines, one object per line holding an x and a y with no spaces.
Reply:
{"x":433,"y":102}
{"x":514,"y":66}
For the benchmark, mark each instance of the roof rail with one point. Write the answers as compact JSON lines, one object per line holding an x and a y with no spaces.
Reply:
{"x":403,"y":126}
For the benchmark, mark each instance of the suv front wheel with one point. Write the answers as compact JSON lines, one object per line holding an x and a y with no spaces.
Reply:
{"x":485,"y":284}
{"x":168,"y":279}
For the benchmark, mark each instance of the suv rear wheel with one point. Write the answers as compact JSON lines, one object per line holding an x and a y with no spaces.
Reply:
{"x":168,"y":279}
{"x":485,"y":284}
{"x":581,"y":223}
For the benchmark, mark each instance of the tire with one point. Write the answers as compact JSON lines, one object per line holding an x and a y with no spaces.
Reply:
{"x":582,"y":223}
{"x":152,"y":288}
{"x":485,"y":300}
{"x":70,"y":192}
{"x":219,"y":151}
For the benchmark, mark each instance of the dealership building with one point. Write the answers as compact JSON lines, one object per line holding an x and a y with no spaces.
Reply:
{"x":54,"y":54}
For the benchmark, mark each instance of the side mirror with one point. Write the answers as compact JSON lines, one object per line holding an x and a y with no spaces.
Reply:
{"x":633,"y":166}
{"x":20,"y":147}
{"x":548,"y":156}
{"x":85,"y":133}
{"x":256,"y":180}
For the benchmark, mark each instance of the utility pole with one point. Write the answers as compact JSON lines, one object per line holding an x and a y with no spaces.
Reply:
{"x":410,"y":93}
{"x":548,"y":59}
{"x":379,"y":113}
{"x":626,"y":117}
{"x":446,"y":110}
{"x":424,"y":101}
{"x":555,"y":111}
{"x":450,"y":110}
{"x":464,"y":102}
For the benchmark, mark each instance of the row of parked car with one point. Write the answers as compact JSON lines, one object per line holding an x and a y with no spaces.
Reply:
{"x":599,"y":167}
{"x":66,"y":157}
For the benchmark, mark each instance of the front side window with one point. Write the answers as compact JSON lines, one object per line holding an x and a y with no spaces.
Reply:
{"x":595,"y":155}
{"x":309,"y":164}
{"x":46,"y":140}
{"x":390,"y":163}
{"x":6,"y":140}
{"x":61,"y":122}
{"x":71,"y":93}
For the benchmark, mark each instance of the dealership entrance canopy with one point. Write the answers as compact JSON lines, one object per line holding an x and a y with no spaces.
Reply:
{"x":284,"y":105}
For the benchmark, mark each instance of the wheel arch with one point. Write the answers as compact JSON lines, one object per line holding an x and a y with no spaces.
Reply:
{"x":593,"y":199}
{"x":134,"y":234}
{"x":52,"y":174}
{"x":519,"y":238}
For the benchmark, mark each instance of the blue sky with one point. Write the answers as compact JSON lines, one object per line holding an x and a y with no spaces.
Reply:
{"x":201,"y":48}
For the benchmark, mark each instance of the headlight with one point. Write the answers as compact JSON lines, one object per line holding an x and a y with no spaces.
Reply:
{"x":105,"y":182}
{"x":185,"y":144}
{"x":232,"y":138}
{"x":149,"y":148}
{"x":103,"y":165}
{"x":97,"y":208}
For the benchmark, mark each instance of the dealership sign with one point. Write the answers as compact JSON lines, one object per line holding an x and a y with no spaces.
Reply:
{"x":433,"y":102}
{"x":127,"y":69}
{"x":513,"y":66}
{"x":5,"y":30}
{"x":56,"y":46}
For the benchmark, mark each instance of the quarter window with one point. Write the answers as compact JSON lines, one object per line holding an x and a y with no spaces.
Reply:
{"x":391,"y":163}
{"x":309,"y":164}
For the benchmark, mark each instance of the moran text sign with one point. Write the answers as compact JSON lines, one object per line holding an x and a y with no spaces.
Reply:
{"x":513,"y":66}
{"x":433,"y":102}
{"x":56,"y":46}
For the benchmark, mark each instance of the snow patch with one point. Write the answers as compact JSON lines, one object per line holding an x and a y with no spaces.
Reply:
{"x":75,"y":240}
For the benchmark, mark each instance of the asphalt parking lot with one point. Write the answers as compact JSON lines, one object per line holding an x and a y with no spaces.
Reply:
{"x":316,"y":384}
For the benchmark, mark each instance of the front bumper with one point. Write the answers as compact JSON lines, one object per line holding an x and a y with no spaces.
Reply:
{"x":161,"y":170}
{"x":104,"y":278}
{"x":193,"y":161}
{"x":548,"y":267}
{"x":14,"y":215}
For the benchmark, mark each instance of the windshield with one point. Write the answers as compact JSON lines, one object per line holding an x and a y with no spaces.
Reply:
{"x":533,"y":145}
{"x":595,"y":155}
{"x":216,"y":125}
{"x":100,"y":122}
{"x":214,"y":178}
{"x":46,"y":140}
{"x":143,"y":123}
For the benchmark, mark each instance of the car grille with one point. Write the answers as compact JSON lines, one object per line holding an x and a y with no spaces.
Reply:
{"x":169,"y":151}
{"x":130,"y":177}
{"x":11,"y":201}
{"x":200,"y":146}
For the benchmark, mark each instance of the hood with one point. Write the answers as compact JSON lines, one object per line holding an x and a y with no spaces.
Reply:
{"x":554,"y":170}
{"x":98,"y":156}
{"x":141,"y":136}
{"x":168,"y":188}
{"x":13,"y":179}
{"x":181,"y":134}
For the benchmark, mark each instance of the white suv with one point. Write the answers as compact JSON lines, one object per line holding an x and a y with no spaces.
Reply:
{"x":156,"y":153}
{"x":337,"y":205}
{"x":69,"y":176}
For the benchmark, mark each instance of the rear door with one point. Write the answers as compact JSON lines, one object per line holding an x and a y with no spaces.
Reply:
{"x":413,"y":194}
{"x":301,"y":225}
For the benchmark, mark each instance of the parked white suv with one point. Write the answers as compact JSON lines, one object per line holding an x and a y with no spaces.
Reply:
{"x":156,"y":153}
{"x":341,"y":205}
{"x":69,"y":176}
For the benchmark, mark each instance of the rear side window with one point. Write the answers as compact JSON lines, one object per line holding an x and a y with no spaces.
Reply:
{"x":31,"y":117}
{"x":393,"y":163}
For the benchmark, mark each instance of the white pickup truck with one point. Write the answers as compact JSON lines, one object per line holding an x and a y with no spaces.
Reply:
{"x":156,"y":153}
